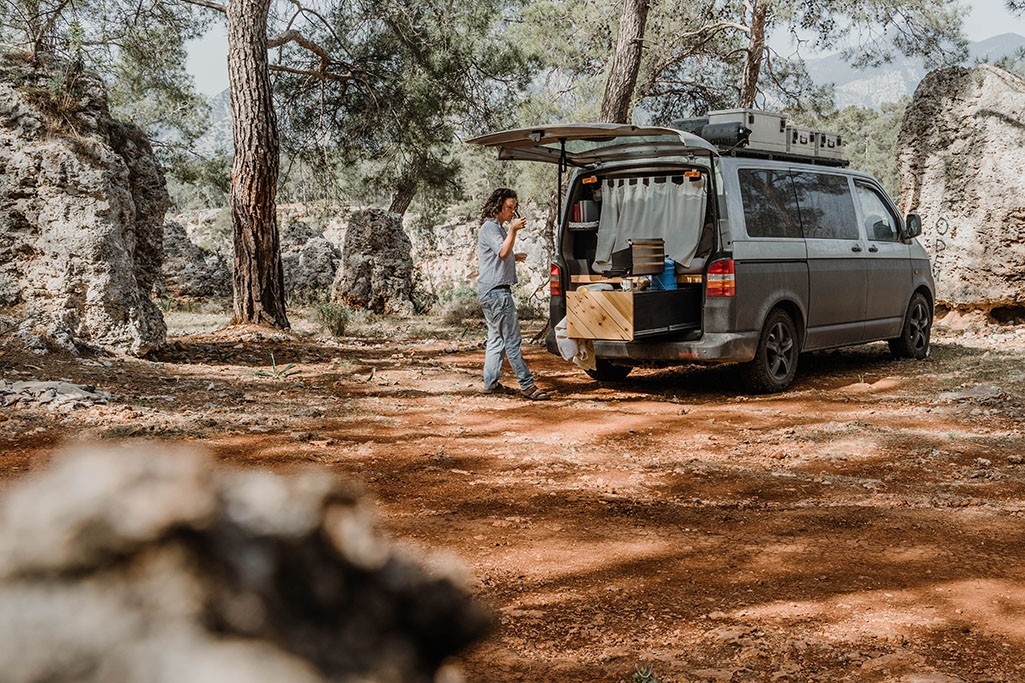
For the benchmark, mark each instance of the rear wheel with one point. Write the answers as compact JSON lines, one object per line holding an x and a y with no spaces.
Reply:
{"x":913,"y":341}
{"x":775,"y":362}
{"x":609,"y":372}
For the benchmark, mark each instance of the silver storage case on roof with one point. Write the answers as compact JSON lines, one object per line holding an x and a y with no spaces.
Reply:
{"x":830,"y":146}
{"x":802,"y":141}
{"x":768,"y":129}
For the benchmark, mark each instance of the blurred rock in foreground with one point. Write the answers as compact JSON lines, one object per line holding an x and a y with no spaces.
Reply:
{"x":82,"y":202}
{"x":146,"y":564}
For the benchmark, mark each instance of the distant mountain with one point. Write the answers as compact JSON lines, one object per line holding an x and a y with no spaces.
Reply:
{"x":889,"y":82}
{"x":217,"y":138}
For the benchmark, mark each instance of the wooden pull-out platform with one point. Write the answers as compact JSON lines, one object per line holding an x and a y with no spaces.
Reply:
{"x":624,"y":316}
{"x":600,"y":315}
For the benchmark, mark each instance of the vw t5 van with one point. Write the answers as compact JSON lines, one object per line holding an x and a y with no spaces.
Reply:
{"x":734,"y":238}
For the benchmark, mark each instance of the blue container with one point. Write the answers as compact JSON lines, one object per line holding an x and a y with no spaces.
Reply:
{"x":667,"y":278}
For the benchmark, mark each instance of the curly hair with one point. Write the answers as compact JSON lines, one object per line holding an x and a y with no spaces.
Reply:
{"x":495,"y":202}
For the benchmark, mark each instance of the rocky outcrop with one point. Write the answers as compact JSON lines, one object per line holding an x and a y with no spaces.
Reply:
{"x":189,"y":272}
{"x":82,"y":202}
{"x":376,"y":271}
{"x":310,"y":263}
{"x":122,"y":566}
{"x":446,"y":254}
{"x":961,"y":154}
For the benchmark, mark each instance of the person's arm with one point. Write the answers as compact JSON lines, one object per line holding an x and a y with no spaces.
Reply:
{"x":510,"y":238}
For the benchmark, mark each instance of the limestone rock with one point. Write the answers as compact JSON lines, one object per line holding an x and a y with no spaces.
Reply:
{"x":446,"y":254}
{"x":82,"y":202}
{"x":310,"y":263}
{"x":128,"y":565}
{"x":961,"y":151}
{"x":377,"y":270}
{"x":188,"y":271}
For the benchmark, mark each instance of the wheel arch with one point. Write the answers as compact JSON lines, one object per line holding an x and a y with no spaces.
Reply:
{"x":927,"y":293}
{"x":796,"y":313}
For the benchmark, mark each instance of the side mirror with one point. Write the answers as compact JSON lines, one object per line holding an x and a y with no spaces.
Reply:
{"x":913,"y":225}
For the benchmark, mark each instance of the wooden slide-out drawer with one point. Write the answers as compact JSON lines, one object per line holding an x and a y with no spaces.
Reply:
{"x":624,"y":316}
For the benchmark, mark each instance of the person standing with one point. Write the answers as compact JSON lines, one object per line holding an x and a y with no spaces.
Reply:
{"x":497,"y":262}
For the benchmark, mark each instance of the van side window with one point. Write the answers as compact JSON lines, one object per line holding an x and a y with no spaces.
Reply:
{"x":770,"y":206}
{"x":827,"y":207}
{"x":880,"y":223}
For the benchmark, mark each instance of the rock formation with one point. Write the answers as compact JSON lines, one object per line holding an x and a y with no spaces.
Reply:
{"x":376,"y":271}
{"x":309,"y":261}
{"x":128,"y":566}
{"x":82,"y":202}
{"x":188,"y":271}
{"x":960,"y":163}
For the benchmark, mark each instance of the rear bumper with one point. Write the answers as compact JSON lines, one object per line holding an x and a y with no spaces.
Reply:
{"x":734,"y":347}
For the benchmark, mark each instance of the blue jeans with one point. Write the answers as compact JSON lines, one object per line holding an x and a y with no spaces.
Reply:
{"x":503,"y":339}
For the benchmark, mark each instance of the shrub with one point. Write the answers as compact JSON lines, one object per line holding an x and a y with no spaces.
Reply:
{"x":461,"y":305}
{"x":334,"y":316}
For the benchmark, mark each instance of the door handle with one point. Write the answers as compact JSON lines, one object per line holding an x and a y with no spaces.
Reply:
{"x":873,"y":248}
{"x":856,"y":247}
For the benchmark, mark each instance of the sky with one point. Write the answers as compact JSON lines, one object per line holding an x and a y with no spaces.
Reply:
{"x":207,"y":56}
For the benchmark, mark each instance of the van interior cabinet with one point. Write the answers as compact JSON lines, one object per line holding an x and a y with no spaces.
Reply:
{"x":628,"y":315}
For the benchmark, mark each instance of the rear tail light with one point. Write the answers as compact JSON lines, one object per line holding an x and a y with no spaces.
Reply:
{"x":555,"y":279}
{"x":722,"y":279}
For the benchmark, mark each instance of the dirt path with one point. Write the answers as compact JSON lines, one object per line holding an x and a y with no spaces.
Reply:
{"x":864,"y":526}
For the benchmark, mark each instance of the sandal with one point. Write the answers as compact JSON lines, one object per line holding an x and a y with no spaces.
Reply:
{"x":499,"y":389}
{"x":534,"y":394}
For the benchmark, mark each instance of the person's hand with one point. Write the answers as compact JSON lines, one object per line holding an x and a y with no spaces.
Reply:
{"x":519,"y":224}
{"x":521,"y":257}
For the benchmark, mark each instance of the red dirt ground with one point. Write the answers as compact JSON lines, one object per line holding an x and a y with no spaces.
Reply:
{"x":865,"y":525}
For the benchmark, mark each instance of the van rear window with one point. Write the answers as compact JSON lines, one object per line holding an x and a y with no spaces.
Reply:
{"x":770,"y":204}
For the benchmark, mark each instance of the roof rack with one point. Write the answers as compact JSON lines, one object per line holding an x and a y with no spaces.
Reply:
{"x":764,"y":135}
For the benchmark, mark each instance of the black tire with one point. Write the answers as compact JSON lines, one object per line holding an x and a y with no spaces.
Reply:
{"x":609,"y":372}
{"x":775,"y":362}
{"x":913,"y":341}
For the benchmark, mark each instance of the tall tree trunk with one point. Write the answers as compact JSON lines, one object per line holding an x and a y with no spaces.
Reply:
{"x":755,"y":54}
{"x":259,"y":288}
{"x":617,"y":105}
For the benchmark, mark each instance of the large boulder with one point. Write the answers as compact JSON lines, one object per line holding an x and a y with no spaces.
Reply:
{"x":377,"y":270}
{"x":961,"y":153}
{"x":126,"y":565}
{"x":82,"y":202}
{"x":309,"y":261}
{"x":189,"y":272}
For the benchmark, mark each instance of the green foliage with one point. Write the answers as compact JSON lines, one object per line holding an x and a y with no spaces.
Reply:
{"x":701,"y":51}
{"x":645,"y":674}
{"x":334,"y":316}
{"x":870,"y":138}
{"x":460,"y":304}
{"x":279,"y":373}
{"x":424,"y":71}
{"x":138,"y":48}
{"x":200,"y":183}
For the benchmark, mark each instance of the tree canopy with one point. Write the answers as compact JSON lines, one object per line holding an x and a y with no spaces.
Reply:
{"x":138,"y":47}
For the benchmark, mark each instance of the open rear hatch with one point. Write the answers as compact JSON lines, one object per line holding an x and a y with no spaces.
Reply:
{"x":626,"y":305}
{"x":589,"y":144}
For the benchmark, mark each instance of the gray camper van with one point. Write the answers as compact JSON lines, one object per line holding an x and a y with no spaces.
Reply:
{"x":728,"y":239}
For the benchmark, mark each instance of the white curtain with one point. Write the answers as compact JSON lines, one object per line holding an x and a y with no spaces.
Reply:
{"x":670,"y":207}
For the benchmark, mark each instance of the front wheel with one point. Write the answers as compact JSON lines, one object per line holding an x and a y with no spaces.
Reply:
{"x":775,"y":362}
{"x":913,"y":341}
{"x":605,"y":371}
